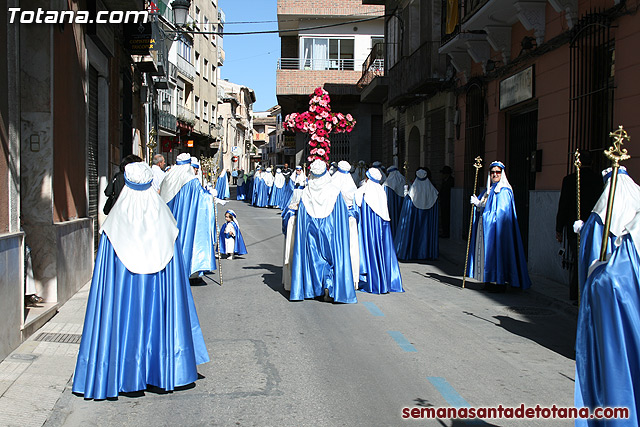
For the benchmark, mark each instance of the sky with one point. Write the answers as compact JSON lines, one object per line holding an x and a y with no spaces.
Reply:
{"x":251,"y":60}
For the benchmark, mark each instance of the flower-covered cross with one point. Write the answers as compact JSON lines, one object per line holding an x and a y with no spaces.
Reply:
{"x":319,"y":121}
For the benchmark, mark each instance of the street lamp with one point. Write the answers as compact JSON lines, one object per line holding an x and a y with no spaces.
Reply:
{"x":180,"y":12}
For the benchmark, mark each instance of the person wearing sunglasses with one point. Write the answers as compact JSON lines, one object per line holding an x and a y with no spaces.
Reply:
{"x":496,"y":253}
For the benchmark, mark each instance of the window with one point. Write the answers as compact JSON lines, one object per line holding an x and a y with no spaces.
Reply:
{"x":205,"y":70}
{"x":213,"y":73}
{"x":197,"y":64}
{"x":196,"y":107}
{"x":184,"y":50}
{"x":327,"y":54}
{"x":197,"y":17}
{"x":393,"y":42}
{"x":213,"y":112}
{"x":205,"y":110}
{"x":206,"y":26}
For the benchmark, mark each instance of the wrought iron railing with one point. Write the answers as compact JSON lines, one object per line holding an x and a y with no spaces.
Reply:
{"x":315,"y":64}
{"x":186,"y":115}
{"x":185,"y":68}
{"x":455,"y":12}
{"x":373,"y":66}
{"x":167,"y":120}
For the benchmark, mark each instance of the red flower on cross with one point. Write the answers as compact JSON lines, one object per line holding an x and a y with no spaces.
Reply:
{"x":319,"y":122}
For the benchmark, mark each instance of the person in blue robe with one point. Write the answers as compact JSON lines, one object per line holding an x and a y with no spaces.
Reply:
{"x":395,"y":188}
{"x":289,"y":224}
{"x":627,"y":200}
{"x":192,"y":207}
{"x":141,"y":327}
{"x":379,"y":269}
{"x":264,"y":189}
{"x":299,"y":181}
{"x":417,"y":233}
{"x":287,"y":192}
{"x":496,"y":253}
{"x":222,"y":185}
{"x":342,"y":179}
{"x":608,"y":333}
{"x":321,"y":264}
{"x":277,"y":191}
{"x":241,"y":186}
{"x":256,"y":182}
{"x":231,"y":240}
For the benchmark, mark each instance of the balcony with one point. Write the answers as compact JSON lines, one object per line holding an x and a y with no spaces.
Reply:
{"x":186,"y":116}
{"x":421,"y":73}
{"x":477,"y":26}
{"x":167,"y":121}
{"x":373,"y":70}
{"x":301,"y":76}
{"x":185,"y":68}
{"x":315,"y":64}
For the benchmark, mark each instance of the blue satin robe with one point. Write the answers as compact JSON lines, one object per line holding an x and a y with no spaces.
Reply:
{"x":503,"y":250}
{"x":139,"y":329}
{"x":417,"y":233}
{"x":192,"y":208}
{"x":608,"y":338}
{"x":379,"y":269}
{"x":241,"y":190}
{"x":275,"y":198}
{"x":321,"y":257}
{"x":262,"y":192}
{"x":590,"y":245}
{"x":287,"y":194}
{"x":394,"y":203}
{"x":222,"y":187}
{"x":239,"y":246}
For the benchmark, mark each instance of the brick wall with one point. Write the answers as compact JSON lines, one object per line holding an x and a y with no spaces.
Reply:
{"x":303,"y":82}
{"x":327,"y":7}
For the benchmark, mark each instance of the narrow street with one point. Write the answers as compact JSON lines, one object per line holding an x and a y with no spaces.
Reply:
{"x":310,"y":363}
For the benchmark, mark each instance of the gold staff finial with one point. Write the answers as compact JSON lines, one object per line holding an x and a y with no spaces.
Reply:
{"x":616,"y":153}
{"x":577,"y":163}
{"x":478,"y":163}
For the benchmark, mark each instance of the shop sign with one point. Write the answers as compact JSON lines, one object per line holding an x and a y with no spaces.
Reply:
{"x":516,"y":88}
{"x":290,"y":141}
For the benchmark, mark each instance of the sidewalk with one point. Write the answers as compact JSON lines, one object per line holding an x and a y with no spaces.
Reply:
{"x":34,"y":376}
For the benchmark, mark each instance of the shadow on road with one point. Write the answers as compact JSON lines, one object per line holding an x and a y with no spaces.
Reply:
{"x":273,"y":278}
{"x":456,"y":282}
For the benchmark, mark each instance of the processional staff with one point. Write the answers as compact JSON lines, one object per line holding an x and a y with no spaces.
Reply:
{"x":616,"y":154}
{"x":213,"y":165}
{"x":578,"y":165}
{"x":477,"y":165}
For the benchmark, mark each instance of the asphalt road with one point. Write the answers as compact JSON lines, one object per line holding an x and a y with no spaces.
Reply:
{"x":311,"y":363}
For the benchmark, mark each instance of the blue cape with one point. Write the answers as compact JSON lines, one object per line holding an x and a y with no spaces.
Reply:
{"x":608,"y":337}
{"x":417,"y":233}
{"x":503,"y":250}
{"x":192,"y":208}
{"x":222,"y":187}
{"x":139,"y":329}
{"x":239,"y":247}
{"x":379,"y":270}
{"x":321,"y":257}
{"x":394,"y":203}
{"x":287,"y":194}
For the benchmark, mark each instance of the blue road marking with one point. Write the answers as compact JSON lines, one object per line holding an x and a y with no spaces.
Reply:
{"x":449,"y":393}
{"x":453,"y":398}
{"x":373,"y":309}
{"x":401,"y":341}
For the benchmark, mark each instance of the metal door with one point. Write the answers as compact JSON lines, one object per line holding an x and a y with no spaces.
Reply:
{"x":523,"y":141}
{"x":92,"y":153}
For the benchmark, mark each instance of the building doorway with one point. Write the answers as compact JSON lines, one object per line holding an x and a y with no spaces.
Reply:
{"x":413,"y":153}
{"x":521,"y":172}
